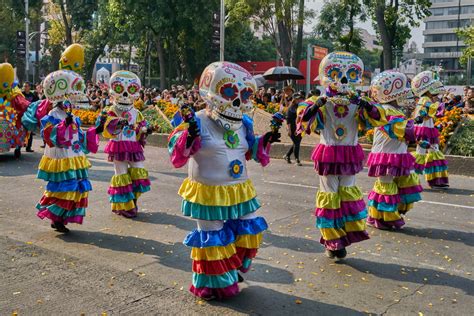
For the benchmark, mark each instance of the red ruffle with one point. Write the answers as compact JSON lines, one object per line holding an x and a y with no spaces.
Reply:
{"x":65,"y":204}
{"x":348,"y":208}
{"x":217,"y":267}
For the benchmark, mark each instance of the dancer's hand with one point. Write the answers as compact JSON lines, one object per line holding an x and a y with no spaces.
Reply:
{"x":69,"y":120}
{"x":271,"y":137}
{"x":419,"y":119}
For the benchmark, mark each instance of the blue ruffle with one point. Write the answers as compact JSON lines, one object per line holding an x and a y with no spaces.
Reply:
{"x":322,"y":222}
{"x":141,"y":188}
{"x":29,"y":120}
{"x":121,"y":198}
{"x":410,"y":198}
{"x":70,"y":186}
{"x":215,"y":281}
{"x":61,"y":212}
{"x":250,"y":136}
{"x":383,"y":207}
{"x":203,"y":239}
{"x":434,"y":169}
{"x":219,"y":213}
{"x":63,"y":176}
{"x":252,"y":226}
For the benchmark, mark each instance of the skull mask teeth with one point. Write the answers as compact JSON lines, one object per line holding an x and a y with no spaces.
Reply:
{"x":124,"y":88}
{"x":341,"y":71}
{"x":227,"y":88}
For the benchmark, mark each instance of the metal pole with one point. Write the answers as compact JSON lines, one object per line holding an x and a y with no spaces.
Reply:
{"x":469,"y":71}
{"x":308,"y":69}
{"x":27,"y":45}
{"x":222,"y":30}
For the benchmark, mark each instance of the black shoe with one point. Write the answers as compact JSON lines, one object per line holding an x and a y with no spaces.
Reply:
{"x":17,"y":153}
{"x":341,"y":253}
{"x":287,"y":159}
{"x":241,"y":278}
{"x":330,"y":254}
{"x":43,"y":146}
{"x":298,"y":163}
{"x":29,"y":150}
{"x":60,"y":227}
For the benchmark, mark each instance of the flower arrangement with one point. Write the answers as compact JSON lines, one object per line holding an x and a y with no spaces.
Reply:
{"x":447,"y":124}
{"x":271,"y":107}
{"x":87,"y":117}
{"x":169,"y":109}
{"x":156,"y":121}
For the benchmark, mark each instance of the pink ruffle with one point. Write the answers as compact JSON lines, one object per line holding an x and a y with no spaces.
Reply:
{"x":120,"y":190}
{"x":263,"y":153}
{"x":348,"y":208}
{"x":45,"y":213}
{"x":92,"y":140}
{"x":219,"y":293}
{"x":382,"y":164}
{"x":438,"y":182}
{"x":430,"y":134}
{"x":410,"y":190}
{"x":124,"y":151}
{"x":325,"y":169}
{"x":43,"y":109}
{"x":180,"y":154}
{"x":144,"y":182}
{"x":377,"y":223}
{"x":436,"y":163}
{"x":380,"y":198}
{"x":338,"y":160}
{"x":350,"y":238}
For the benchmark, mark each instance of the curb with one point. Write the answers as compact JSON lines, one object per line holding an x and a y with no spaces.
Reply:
{"x":459,"y":165}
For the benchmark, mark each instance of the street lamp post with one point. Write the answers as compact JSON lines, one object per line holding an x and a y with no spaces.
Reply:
{"x":308,"y":69}
{"x":27,"y":44}
{"x":222,"y":30}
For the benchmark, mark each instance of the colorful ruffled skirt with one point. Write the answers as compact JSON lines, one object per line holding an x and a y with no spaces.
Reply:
{"x":219,"y":254}
{"x":66,"y":196}
{"x":338,"y":160}
{"x":431,"y":162}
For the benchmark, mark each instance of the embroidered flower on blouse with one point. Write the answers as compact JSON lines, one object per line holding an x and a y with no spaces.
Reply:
{"x":76,"y":147}
{"x":340,"y":132}
{"x":127,"y":132}
{"x":236,"y":168}
{"x":341,"y":110}
{"x":127,"y":116}
{"x":231,"y":139}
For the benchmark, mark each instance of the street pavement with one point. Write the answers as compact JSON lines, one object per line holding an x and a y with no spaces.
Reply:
{"x":139,"y":266}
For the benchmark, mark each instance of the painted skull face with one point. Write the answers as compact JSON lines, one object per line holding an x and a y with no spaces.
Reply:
{"x":341,"y":71}
{"x":227,"y":89}
{"x":64,"y":85}
{"x":124,"y":88}
{"x":7,"y":76}
{"x":427,"y":81}
{"x":391,"y":86}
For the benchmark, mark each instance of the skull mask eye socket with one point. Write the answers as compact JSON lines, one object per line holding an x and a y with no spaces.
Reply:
{"x":354,"y":74}
{"x":133,"y":88}
{"x":246,"y":94}
{"x":117,"y":87}
{"x":333,"y":73}
{"x":229,"y":91}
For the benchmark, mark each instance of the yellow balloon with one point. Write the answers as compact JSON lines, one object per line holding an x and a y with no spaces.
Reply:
{"x":7,"y":76}
{"x":72,"y":58}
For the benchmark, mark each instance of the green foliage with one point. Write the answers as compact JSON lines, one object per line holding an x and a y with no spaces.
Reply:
{"x":462,"y":143}
{"x":371,"y":59}
{"x":467,"y":36}
{"x":242,"y":45}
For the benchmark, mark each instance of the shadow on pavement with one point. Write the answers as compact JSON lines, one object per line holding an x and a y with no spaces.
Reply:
{"x":392,"y":271}
{"x":450,"y":191}
{"x":26,"y":165}
{"x":180,"y":175}
{"x":264,"y":301}
{"x":163,"y":218}
{"x":265,"y":273}
{"x":292,"y":243}
{"x":441,"y":234}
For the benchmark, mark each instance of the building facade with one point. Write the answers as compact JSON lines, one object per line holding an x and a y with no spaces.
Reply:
{"x":442,"y":47}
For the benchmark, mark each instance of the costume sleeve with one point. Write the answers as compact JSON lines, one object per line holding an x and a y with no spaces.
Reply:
{"x":140,"y":124}
{"x":257,"y":151}
{"x":374,"y":117}
{"x":400,"y":128}
{"x":31,"y":119}
{"x":306,"y":123}
{"x":110,"y":127}
{"x":177,"y":146}
{"x":55,"y":132}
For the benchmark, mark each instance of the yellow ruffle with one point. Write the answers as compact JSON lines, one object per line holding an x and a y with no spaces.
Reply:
{"x":121,"y":180}
{"x":385,"y":216}
{"x":435,"y":155}
{"x":373,"y":122}
{"x":213,"y":253}
{"x":332,"y":200}
{"x":407,"y":181}
{"x":249,"y":241}
{"x":419,"y":158}
{"x":70,"y":196}
{"x":216,"y":195}
{"x":436,"y":175}
{"x":130,"y":205}
{"x":138,"y":173}
{"x":336,"y":233}
{"x":48,"y":164}
{"x":385,"y":188}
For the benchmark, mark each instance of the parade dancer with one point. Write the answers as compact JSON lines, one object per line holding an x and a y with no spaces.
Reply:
{"x":397,"y":187}
{"x":12,"y":107}
{"x":429,"y":159}
{"x":340,"y":207}
{"x":64,"y":164}
{"x":127,"y":130}
{"x":217,"y":142}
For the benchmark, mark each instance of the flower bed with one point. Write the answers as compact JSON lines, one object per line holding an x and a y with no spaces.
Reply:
{"x":157,"y":122}
{"x":462,"y":142}
{"x":87,"y":117}
{"x":447,"y":124}
{"x":270,"y":107}
{"x":169,"y":109}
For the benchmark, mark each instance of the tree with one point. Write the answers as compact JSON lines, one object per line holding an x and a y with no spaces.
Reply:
{"x":337,"y":24}
{"x":467,"y":36}
{"x":393,"y":20}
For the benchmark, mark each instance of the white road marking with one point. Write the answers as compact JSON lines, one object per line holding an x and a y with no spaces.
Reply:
{"x":314,"y":187}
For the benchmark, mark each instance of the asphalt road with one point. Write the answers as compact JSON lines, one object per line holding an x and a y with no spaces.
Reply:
{"x":140,"y":267}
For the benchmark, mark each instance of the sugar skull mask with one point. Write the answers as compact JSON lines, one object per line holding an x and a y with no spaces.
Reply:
{"x":64,"y":85}
{"x":7,"y":76}
{"x":391,"y":86}
{"x":72,"y":58}
{"x":341,"y":71}
{"x":227,"y":89}
{"x":124,"y":88}
{"x":427,"y":81}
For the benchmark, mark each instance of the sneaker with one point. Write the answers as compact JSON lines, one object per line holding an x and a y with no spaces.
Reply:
{"x":298,"y":163}
{"x":17,"y":153}
{"x":330,"y":254}
{"x":60,"y":227}
{"x":29,"y":150}
{"x":287,"y":159}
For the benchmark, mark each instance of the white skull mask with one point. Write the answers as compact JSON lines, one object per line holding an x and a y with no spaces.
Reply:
{"x":427,"y":81}
{"x":64,"y":85}
{"x":341,"y":71}
{"x":391,"y":86}
{"x":227,"y":89}
{"x":124,"y":88}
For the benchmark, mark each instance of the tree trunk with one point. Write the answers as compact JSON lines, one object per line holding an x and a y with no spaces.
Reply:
{"x":67,"y":28}
{"x":285,"y":43}
{"x":299,"y":36}
{"x":161,"y":57}
{"x":350,"y":36}
{"x":129,"y":61}
{"x":384,"y":35}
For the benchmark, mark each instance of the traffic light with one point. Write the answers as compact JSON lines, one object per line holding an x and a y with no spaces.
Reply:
{"x":21,"y":44}
{"x":216,"y":31}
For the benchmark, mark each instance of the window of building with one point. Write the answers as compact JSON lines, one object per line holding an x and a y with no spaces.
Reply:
{"x":447,"y":24}
{"x":440,"y":38}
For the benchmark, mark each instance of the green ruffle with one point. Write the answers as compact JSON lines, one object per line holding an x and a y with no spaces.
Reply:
{"x":63,"y":176}
{"x":61,"y":212}
{"x":219,"y":213}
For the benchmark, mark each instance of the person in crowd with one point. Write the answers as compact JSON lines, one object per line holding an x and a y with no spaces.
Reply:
{"x":31,"y":96}
{"x":272,"y":91}
{"x":468,"y":105}
{"x":267,"y":98}
{"x":455,"y":102}
{"x":286,"y":99}
{"x":39,"y":91}
{"x":139,"y":103}
{"x":291,"y":116}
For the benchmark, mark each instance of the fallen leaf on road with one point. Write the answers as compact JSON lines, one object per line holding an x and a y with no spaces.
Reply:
{"x":298,"y":301}
{"x":16,"y":293}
